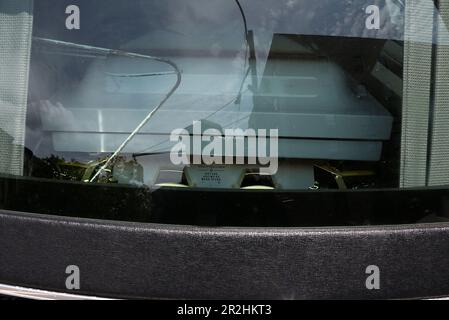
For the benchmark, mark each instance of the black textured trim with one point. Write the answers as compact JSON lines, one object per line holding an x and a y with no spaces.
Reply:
{"x":157,"y":261}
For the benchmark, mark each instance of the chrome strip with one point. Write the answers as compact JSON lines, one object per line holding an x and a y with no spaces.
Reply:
{"x":35,"y":294}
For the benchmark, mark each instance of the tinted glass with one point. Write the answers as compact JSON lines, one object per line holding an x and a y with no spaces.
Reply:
{"x":212,"y":112}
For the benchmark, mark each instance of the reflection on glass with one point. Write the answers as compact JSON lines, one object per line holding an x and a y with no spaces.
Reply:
{"x":272,"y":96}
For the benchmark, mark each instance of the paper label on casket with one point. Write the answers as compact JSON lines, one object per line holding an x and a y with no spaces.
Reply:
{"x":215,"y":176}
